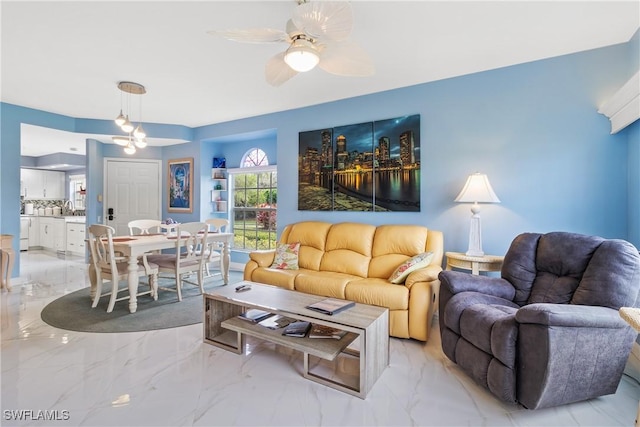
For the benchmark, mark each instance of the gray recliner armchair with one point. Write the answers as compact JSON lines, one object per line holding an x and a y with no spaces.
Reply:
{"x":547,"y":332}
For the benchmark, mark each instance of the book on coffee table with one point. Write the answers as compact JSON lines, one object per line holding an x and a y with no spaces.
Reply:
{"x":254,"y":315}
{"x":331,"y":305}
{"x":322,"y":331}
{"x":297,"y":329}
{"x":276,"y":322}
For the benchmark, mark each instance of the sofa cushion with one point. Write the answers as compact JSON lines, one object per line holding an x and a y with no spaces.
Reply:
{"x":459,"y":302}
{"x":409,"y":266}
{"x":622,"y":291}
{"x":393,"y":245}
{"x":348,"y":249}
{"x":493,"y":329}
{"x":378,"y":292}
{"x":325,"y":283}
{"x":286,"y":257}
{"x":561,"y":259}
{"x":312,"y":236}
{"x":273,"y":276}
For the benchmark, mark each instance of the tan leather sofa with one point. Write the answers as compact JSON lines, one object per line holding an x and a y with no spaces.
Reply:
{"x":353,"y":261}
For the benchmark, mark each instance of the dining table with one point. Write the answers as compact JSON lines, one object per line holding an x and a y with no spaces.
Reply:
{"x":133,"y":247}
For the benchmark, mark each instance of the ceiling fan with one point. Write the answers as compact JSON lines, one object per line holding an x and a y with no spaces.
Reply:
{"x":317,"y":34}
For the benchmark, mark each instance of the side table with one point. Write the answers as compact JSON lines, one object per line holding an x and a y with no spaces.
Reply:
{"x":631,"y":315}
{"x":475,"y":264}
{"x":7,"y":257}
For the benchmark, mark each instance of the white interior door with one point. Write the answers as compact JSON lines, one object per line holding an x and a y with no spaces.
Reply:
{"x":133,"y":191}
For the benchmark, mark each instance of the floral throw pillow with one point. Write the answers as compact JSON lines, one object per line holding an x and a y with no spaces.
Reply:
{"x":410,"y":265}
{"x":286,"y":256}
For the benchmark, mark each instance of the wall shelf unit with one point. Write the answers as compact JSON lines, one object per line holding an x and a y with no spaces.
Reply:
{"x":219,"y":194}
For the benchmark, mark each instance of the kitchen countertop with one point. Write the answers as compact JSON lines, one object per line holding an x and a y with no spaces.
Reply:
{"x":67,"y":218}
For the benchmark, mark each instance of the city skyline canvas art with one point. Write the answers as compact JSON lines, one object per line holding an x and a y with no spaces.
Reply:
{"x":372,"y":166}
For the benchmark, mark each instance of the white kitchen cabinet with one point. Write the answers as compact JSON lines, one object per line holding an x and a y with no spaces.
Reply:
{"x":31,"y":183}
{"x":42,"y":184}
{"x":24,"y":233}
{"x":59,"y":234}
{"x":53,"y":182}
{"x":75,"y":237}
{"x":34,"y":231}
{"x":46,"y":233}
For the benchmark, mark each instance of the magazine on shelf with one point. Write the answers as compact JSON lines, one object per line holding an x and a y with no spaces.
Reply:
{"x":331,"y":305}
{"x":322,"y":331}
{"x":276,"y":322}
{"x":297,"y":329}
{"x":254,"y":315}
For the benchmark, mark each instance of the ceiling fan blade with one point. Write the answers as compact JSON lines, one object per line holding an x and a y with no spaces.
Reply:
{"x":324,"y":20}
{"x":346,"y":59}
{"x":277,"y":71}
{"x":253,"y":35}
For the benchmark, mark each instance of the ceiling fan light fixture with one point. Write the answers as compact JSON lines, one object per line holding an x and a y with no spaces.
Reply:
{"x":301,"y":56}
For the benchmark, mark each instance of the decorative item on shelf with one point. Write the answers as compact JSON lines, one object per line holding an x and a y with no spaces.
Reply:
{"x":136,"y":136}
{"x":476,"y":190}
{"x":220,"y":163}
{"x":218,"y":186}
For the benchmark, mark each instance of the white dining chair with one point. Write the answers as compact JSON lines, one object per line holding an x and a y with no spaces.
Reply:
{"x":214,"y":254}
{"x":144,"y":226}
{"x":188,"y":258}
{"x":109,"y":267}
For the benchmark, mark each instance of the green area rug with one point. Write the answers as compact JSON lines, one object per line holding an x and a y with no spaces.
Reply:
{"x":73,"y":311}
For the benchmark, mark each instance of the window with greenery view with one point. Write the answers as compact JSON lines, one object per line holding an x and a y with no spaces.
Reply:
{"x":255,"y":197}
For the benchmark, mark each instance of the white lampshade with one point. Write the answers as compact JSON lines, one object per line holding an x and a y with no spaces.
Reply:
{"x":301,"y":56}
{"x":130,"y":149}
{"x":139,"y":133}
{"x":120,"y":119}
{"x":477,"y":189}
{"x":140,"y":143}
{"x":127,"y":126}
{"x":121,"y":140}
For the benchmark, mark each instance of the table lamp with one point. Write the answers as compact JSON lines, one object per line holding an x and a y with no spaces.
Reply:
{"x":476,"y":190}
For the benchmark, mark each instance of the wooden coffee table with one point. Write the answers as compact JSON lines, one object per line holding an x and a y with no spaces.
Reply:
{"x":367,"y":327}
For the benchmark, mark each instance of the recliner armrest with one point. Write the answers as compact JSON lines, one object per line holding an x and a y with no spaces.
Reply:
{"x":574,"y":315}
{"x":456,"y":282}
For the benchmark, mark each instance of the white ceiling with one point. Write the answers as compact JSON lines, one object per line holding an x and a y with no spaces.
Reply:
{"x":67,"y":56}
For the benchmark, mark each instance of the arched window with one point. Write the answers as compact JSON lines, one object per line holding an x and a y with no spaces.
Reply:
{"x":255,"y":197}
{"x":254,"y":157}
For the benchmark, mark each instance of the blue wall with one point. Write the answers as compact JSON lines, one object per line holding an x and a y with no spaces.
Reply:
{"x":533,"y":128}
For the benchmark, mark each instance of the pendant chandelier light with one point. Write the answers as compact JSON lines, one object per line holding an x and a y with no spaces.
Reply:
{"x":136,"y":136}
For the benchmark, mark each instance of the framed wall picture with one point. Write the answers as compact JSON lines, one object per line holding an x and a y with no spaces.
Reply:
{"x":180,"y":185}
{"x":370,"y":167}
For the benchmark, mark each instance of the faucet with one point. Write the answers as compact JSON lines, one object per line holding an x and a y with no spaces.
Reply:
{"x":68,"y":206}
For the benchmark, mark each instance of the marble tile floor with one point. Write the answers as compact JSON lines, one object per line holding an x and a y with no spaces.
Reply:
{"x":170,"y":378}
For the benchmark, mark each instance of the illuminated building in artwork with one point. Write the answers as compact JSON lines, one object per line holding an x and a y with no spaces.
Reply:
{"x":326,"y":153}
{"x":407,"y":148}
{"x":310,"y":161}
{"x":341,"y":152}
{"x":383,"y":149}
